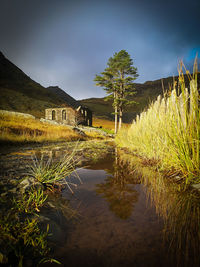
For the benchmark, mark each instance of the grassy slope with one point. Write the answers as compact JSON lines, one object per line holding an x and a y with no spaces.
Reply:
{"x":16,"y":128}
{"x":16,"y":101}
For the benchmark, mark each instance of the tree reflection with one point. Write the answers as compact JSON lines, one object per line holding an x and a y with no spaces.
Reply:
{"x":118,"y":190}
{"x":179,"y":207}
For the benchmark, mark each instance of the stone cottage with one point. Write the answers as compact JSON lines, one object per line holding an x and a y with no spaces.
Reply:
{"x":70,"y":116}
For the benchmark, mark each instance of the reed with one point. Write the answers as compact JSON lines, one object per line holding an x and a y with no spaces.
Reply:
{"x":169,"y":131}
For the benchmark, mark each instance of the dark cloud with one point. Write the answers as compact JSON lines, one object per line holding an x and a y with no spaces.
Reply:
{"x":67,"y":42}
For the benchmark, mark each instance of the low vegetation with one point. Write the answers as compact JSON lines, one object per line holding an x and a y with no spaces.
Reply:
{"x":169,"y":131}
{"x":20,"y":232}
{"x":24,"y":239}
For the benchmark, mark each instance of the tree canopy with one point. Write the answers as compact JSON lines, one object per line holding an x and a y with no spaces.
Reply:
{"x":117,"y":80}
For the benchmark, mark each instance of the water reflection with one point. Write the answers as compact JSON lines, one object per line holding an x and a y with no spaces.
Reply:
{"x":133,"y":236}
{"x":180,"y":210}
{"x":118,"y":190}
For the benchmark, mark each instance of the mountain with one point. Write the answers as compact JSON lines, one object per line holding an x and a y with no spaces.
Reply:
{"x":64,"y":96}
{"x":18,"y":92}
{"x":145,"y":94}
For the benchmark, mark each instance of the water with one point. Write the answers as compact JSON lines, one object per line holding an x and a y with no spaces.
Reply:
{"x":118,"y":223}
{"x":125,"y":219}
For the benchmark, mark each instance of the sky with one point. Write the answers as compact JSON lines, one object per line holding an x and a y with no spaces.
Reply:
{"x":66,"y":43}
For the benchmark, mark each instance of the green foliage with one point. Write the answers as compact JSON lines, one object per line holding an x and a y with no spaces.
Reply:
{"x":19,"y":230}
{"x":169,"y":130}
{"x":31,"y":202}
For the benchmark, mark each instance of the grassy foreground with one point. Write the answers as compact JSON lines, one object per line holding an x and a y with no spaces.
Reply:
{"x":169,"y":131}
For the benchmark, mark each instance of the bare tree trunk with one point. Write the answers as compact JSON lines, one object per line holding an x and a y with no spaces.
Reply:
{"x":121,"y":104}
{"x":116,"y":112}
{"x":120,"y":118}
{"x":116,"y":119}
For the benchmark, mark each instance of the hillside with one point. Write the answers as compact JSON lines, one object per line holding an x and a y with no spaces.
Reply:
{"x":20,"y":93}
{"x":145,"y":94}
{"x":64,"y":96}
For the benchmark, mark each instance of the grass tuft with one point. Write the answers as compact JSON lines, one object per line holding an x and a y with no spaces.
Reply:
{"x":55,"y":173}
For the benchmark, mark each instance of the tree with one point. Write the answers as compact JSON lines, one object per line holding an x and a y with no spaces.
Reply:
{"x":117,"y":80}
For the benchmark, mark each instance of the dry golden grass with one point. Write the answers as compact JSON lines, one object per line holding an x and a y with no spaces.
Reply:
{"x":21,"y":129}
{"x":106,"y":124}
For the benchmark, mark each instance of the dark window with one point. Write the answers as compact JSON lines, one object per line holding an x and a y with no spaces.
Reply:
{"x":64,"y":115}
{"x":53,"y":115}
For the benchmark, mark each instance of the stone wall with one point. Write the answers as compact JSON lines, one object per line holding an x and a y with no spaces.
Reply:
{"x":65,"y":115}
{"x":69,"y":115}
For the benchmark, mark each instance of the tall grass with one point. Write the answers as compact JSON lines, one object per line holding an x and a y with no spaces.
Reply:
{"x":169,"y":131}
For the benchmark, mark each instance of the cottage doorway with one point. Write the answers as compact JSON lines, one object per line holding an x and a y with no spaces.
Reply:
{"x":53,"y":115}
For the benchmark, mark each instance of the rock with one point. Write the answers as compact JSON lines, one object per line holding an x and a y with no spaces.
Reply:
{"x":78,"y":131}
{"x":13,"y":181}
{"x":19,"y":114}
{"x":13,"y":190}
{"x":44,"y":219}
{"x":196,"y":186}
{"x":4,"y":194}
{"x":51,"y":205}
{"x":49,"y":121}
{"x":30,"y":183}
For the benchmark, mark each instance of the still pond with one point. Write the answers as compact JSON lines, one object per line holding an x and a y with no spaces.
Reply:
{"x":125,"y":219}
